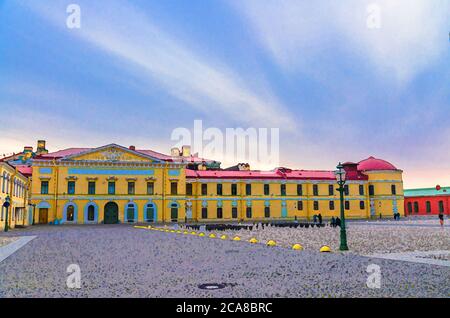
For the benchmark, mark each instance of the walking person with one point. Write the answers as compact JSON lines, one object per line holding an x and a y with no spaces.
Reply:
{"x":441,"y":218}
{"x":338,"y":222}
{"x":320,"y":218}
{"x":333,"y":222}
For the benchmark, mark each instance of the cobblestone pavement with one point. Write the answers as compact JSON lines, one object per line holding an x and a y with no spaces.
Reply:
{"x":122,"y":261}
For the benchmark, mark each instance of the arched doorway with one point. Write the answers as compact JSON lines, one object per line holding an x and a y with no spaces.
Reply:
{"x":174,"y":212}
{"x":111,"y":215}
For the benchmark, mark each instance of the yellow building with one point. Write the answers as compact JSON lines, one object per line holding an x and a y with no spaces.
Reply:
{"x":14,"y":186}
{"x":112,"y":184}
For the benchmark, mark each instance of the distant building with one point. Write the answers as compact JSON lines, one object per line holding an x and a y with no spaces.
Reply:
{"x":113,"y":184}
{"x":427,"y":201}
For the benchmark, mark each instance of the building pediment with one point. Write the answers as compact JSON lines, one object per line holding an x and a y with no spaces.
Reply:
{"x":111,"y":153}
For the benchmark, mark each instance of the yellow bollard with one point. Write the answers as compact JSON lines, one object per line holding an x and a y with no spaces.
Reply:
{"x":201,"y":234}
{"x":193,"y":233}
{"x":236,"y":238}
{"x":212,"y":235}
{"x":223,"y":237}
{"x":271,"y":243}
{"x":172,"y":231}
{"x":185,"y":232}
{"x":297,"y":247}
{"x":253,"y":240}
{"x":178,"y":231}
{"x":325,"y":249}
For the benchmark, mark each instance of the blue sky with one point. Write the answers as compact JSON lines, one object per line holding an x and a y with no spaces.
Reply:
{"x":136,"y":70}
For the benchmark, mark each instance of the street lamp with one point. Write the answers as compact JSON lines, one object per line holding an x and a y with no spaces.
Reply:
{"x":340,"y":177}
{"x":6,"y":205}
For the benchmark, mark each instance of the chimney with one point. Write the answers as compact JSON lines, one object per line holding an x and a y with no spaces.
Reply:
{"x":27,"y":149}
{"x":175,"y":152}
{"x":132,"y":148}
{"x":41,"y":147}
{"x":186,"y":151}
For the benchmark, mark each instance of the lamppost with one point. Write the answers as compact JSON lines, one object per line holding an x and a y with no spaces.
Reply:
{"x":340,"y":177}
{"x":6,"y":205}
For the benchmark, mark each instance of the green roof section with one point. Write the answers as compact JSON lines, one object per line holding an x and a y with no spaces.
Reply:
{"x":426,"y":192}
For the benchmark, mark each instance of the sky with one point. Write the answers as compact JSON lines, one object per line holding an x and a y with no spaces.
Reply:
{"x":342,"y":81}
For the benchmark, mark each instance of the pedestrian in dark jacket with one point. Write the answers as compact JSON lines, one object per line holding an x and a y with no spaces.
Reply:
{"x":338,"y":222}
{"x":320,"y":218}
{"x":333,"y":222}
{"x":441,"y":219}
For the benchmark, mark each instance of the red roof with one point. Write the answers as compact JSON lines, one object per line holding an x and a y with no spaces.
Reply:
{"x":25,"y":170}
{"x":372,"y":163}
{"x":278,"y":173}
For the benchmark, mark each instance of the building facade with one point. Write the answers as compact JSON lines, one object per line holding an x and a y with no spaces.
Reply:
{"x":15,"y":186}
{"x":115,"y":184}
{"x":427,"y":201}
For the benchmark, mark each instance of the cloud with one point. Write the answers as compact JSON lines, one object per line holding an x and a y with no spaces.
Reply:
{"x":412,"y":34}
{"x":127,"y":34}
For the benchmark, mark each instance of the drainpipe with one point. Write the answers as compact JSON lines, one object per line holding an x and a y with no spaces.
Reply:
{"x":164,"y":193}
{"x":56,"y":191}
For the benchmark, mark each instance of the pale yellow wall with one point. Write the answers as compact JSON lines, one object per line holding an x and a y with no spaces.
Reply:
{"x":18,"y":210}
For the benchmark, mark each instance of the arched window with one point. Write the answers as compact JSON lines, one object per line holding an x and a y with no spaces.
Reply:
{"x":3,"y":182}
{"x":416,"y":207}
{"x":174,"y":212}
{"x":150,"y":212}
{"x":91,"y":213}
{"x":70,"y":213}
{"x":130,"y":213}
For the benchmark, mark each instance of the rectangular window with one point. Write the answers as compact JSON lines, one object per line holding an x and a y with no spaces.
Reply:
{"x":300,"y":205}
{"x":44,"y":187}
{"x":316,"y":205}
{"x":330,"y":189}
{"x":111,"y":187}
{"x":71,"y":187}
{"x":409,"y":207}
{"x":91,"y":187}
{"x":131,"y":187}
{"x":416,"y":207}
{"x":347,"y":205}
{"x":346,"y":190}
{"x":283,"y":189}
{"x":428,"y":206}
{"x":219,"y":213}
{"x":150,"y":188}
{"x":219,"y":189}
{"x":248,"y":189}
{"x":204,"y":189}
{"x":441,"y":206}
{"x":234,"y":189}
{"x":362,"y":205}
{"x":174,"y":188}
{"x":393,"y":189}
{"x":299,"y":189}
{"x":234,"y":213}
{"x":361,"y":189}
{"x":315,"y":189}
{"x":267,"y":212}
{"x":331,"y":205}
{"x":266,"y":189}
{"x":249,"y":212}
{"x":204,"y":213}
{"x":188,"y":188}
{"x":371,"y":190}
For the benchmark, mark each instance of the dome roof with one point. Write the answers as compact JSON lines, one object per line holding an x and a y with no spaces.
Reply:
{"x":372,"y":163}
